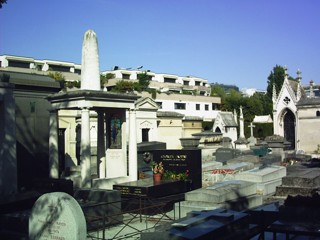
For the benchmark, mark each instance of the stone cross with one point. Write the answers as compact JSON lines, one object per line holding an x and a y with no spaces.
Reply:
{"x":251,"y":130}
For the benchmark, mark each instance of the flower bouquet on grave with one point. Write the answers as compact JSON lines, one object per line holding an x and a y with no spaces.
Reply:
{"x":172,"y":175}
{"x":158,"y":170}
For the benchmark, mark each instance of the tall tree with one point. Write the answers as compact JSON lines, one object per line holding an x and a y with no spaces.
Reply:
{"x":218,"y":91}
{"x":2,"y":2}
{"x":143,"y":80}
{"x":123,"y":86}
{"x":233,"y":100}
{"x":276,"y":77}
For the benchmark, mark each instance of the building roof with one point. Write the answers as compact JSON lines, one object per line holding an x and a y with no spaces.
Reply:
{"x":294,"y":86}
{"x":28,"y":79}
{"x":308,"y":102}
{"x":228,"y":119}
{"x":169,"y":114}
{"x":262,"y":119}
{"x":192,"y":118}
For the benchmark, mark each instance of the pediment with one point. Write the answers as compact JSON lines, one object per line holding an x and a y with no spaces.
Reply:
{"x":146,"y":104}
{"x":146,"y":124}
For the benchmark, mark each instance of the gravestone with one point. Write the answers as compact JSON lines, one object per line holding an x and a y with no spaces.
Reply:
{"x":225,"y":154}
{"x":57,"y":216}
{"x":182,"y":161}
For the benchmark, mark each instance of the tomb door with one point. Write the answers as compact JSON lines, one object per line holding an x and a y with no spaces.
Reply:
{"x":145,"y":134}
{"x":289,"y":128}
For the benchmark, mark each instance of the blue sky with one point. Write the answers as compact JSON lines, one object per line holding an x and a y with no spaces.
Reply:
{"x":234,"y":42}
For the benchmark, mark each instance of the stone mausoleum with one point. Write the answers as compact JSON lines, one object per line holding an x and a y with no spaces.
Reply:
{"x":110,"y":109}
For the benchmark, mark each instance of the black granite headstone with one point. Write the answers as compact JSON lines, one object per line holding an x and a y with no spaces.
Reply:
{"x":182,"y":161}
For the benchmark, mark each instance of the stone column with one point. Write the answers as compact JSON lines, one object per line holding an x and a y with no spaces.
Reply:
{"x":53,"y":144}
{"x":241,"y":122}
{"x":101,"y":151}
{"x":85,"y":148}
{"x":133,"y":157}
{"x":8,"y":156}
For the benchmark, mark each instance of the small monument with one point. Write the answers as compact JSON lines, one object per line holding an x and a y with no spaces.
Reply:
{"x":252,"y":140}
{"x":241,"y":142}
{"x":277,"y":144}
{"x":57,"y":215}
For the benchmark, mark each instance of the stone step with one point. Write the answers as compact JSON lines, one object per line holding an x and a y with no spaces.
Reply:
{"x":283,"y":191}
{"x":262,"y":175}
{"x":223,"y":191}
{"x":306,"y":178}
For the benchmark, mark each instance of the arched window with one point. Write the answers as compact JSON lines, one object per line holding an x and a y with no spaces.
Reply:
{"x":218,"y":130}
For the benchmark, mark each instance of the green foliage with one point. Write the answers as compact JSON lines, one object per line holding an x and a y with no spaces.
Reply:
{"x":72,"y":84}
{"x":172,"y":175}
{"x":105,"y":77}
{"x":226,"y":88}
{"x":153,"y":93}
{"x":56,"y":76}
{"x":262,"y":130}
{"x":143,"y":81}
{"x":233,"y":100}
{"x":207,"y":125}
{"x":123,"y":86}
{"x":188,"y":92}
{"x":2,"y":2}
{"x":276,"y":77}
{"x":217,"y":91}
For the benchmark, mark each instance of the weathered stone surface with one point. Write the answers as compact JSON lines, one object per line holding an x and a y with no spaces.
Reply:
{"x":225,"y":154}
{"x":207,"y":166}
{"x":246,"y":158}
{"x":283,"y":191}
{"x":57,"y":216}
{"x":304,"y":178}
{"x":221,"y":192}
{"x":90,"y":75}
{"x":268,"y":188}
{"x":261,"y":175}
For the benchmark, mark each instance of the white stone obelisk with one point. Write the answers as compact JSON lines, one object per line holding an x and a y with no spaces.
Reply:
{"x":90,"y":75}
{"x":90,"y":80}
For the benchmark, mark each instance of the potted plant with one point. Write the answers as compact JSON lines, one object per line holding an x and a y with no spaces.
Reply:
{"x":158,"y":170}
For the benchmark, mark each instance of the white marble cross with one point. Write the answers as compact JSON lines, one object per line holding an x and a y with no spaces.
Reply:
{"x":251,"y":126}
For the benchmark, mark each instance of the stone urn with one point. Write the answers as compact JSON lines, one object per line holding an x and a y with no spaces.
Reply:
{"x":190,"y":142}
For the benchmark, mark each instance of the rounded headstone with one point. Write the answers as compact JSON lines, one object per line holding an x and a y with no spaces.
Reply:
{"x":57,"y":216}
